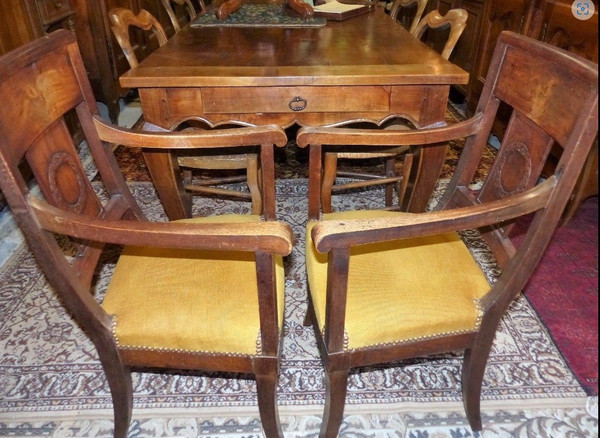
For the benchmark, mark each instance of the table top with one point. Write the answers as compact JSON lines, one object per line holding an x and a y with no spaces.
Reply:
{"x":369,"y":49}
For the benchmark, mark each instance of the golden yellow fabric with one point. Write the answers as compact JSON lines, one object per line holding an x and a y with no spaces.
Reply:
{"x":402,"y":290}
{"x":201,"y":301}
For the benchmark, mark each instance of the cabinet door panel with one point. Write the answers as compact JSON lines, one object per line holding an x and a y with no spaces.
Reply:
{"x":563,"y":30}
{"x":506,"y":15}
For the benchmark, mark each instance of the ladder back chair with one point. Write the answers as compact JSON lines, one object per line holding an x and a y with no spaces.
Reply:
{"x":394,"y":179}
{"x":455,"y":20}
{"x":217,"y":160}
{"x":189,"y":7}
{"x":387,"y":286}
{"x":172,"y":318}
{"x":399,"y":5}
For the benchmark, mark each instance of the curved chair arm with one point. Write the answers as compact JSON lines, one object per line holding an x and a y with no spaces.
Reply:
{"x":269,"y":236}
{"x":399,"y":4}
{"x":376,"y":138}
{"x":122,"y":18}
{"x":348,"y":232}
{"x":455,"y":18}
{"x":190,"y":139}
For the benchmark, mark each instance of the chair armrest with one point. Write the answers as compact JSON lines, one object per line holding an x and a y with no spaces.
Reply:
{"x":270,"y":236}
{"x":190,"y":139}
{"x":345,"y":233}
{"x":388,"y":137}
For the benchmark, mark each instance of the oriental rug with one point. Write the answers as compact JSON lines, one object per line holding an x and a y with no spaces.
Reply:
{"x":52,"y":384}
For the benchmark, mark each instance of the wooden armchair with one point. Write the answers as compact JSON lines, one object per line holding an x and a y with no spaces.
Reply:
{"x":393,"y":180}
{"x":172,"y":287}
{"x":386,"y":286}
{"x":217,"y":160}
{"x":191,"y":11}
{"x":399,"y":5}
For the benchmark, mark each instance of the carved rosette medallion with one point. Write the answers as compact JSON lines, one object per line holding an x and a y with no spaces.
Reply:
{"x":514,"y":170}
{"x":62,"y":170}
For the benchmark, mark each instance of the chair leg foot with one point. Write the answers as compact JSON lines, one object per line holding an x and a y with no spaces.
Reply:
{"x":119,"y":380}
{"x":307,"y":319}
{"x":337,"y":383}
{"x":266,"y":385}
{"x":472,"y":380}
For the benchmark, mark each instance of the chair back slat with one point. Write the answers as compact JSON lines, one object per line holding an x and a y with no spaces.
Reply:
{"x":62,"y":179}
{"x":34,"y":97}
{"x":544,"y":89}
{"x":520,"y":160}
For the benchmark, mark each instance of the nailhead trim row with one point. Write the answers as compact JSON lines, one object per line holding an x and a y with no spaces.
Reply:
{"x":477,"y":303}
{"x":170,"y":350}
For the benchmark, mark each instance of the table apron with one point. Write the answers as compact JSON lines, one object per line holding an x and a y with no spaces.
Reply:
{"x":284,"y":106}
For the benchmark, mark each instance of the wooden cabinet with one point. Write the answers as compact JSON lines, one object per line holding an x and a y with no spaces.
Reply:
{"x":550,"y":21}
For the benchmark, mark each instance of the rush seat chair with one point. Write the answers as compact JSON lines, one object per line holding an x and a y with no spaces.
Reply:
{"x":203,"y":293}
{"x":387,"y":286}
{"x":220,"y":161}
{"x":189,"y":7}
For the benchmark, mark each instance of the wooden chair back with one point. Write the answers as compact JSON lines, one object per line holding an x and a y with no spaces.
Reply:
{"x":399,"y":5}
{"x":189,"y":7}
{"x":121,"y":19}
{"x":41,"y":83}
{"x":455,"y":19}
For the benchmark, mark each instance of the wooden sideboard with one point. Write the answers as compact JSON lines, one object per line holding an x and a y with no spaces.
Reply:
{"x":547,"y":20}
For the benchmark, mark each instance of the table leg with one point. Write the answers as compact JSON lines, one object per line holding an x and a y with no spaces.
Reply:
{"x":314,"y":181}
{"x":167,"y":180}
{"x":430,"y":159}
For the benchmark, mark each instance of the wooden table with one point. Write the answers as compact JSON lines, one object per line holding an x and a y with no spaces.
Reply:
{"x":364,"y":68}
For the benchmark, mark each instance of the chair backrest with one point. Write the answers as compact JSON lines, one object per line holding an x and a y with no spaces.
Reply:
{"x":184,"y":3}
{"x":121,"y":19}
{"x":40,"y":83}
{"x":553,"y":95}
{"x":455,"y":19}
{"x":398,"y":5}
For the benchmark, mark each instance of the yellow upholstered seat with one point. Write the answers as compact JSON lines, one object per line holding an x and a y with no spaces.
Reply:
{"x":421,"y":288}
{"x":219,"y":313}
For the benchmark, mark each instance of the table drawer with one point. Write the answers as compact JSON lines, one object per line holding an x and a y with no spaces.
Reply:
{"x":295,"y":99}
{"x":53,"y":10}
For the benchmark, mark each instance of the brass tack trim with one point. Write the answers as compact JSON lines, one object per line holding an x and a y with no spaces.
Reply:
{"x":167,"y":350}
{"x":478,"y":320}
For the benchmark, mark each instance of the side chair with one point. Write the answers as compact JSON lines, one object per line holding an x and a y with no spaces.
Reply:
{"x":191,"y":11}
{"x":172,"y":301}
{"x":399,"y":5}
{"x":216,"y":160}
{"x":455,"y":20}
{"x":387,"y":286}
{"x":393,"y":179}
